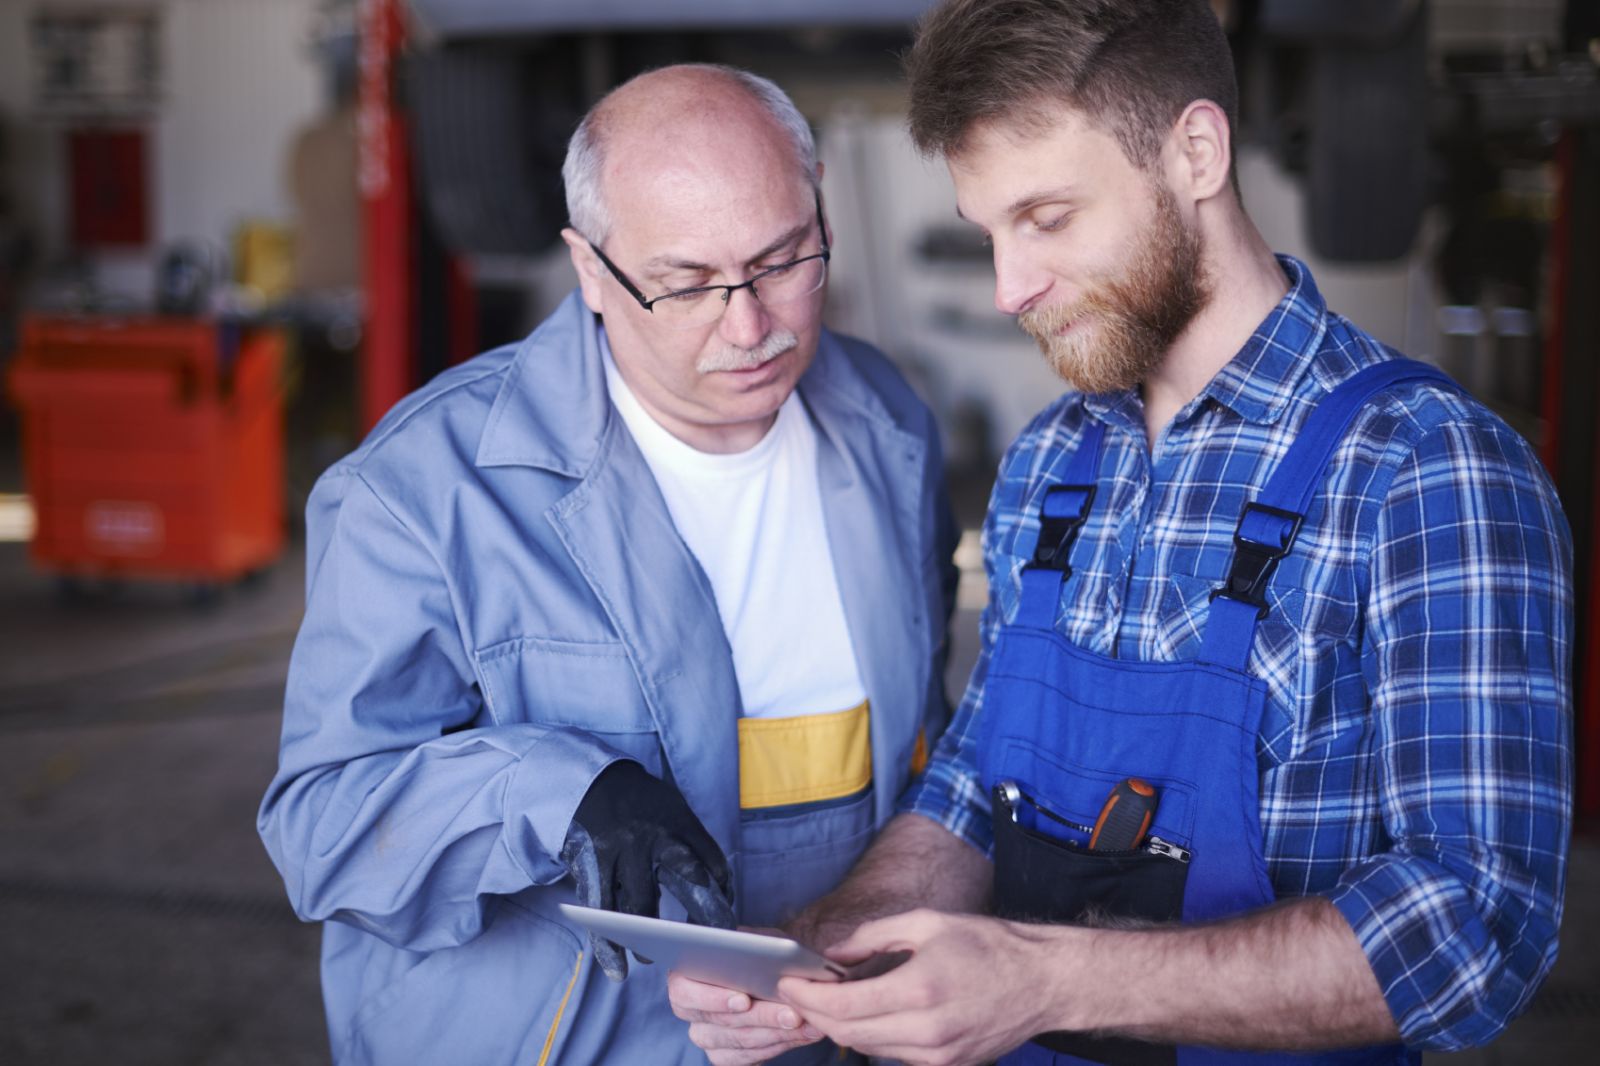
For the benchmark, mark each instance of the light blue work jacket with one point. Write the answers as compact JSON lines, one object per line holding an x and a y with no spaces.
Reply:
{"x":498,"y":606}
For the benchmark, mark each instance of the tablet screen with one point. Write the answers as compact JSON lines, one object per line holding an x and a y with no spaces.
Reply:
{"x":749,"y":962}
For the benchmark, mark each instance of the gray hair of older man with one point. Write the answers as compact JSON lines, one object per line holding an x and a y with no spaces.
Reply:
{"x":586,"y":151}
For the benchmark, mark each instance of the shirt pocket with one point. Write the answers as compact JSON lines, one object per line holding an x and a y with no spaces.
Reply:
{"x":1080,"y":599}
{"x":1186,"y":611}
{"x":584,"y":685}
{"x":1014,"y":551}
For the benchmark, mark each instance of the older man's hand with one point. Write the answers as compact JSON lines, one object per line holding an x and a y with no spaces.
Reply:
{"x":733,"y":1028}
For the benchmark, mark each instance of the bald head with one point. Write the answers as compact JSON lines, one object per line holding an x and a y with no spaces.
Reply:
{"x":679,"y":124}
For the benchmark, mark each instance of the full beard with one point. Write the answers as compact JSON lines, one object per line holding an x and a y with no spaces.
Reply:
{"x":732,"y":357}
{"x":1123,"y":328}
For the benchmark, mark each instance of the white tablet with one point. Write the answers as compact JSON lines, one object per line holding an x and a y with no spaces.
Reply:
{"x":749,"y":962}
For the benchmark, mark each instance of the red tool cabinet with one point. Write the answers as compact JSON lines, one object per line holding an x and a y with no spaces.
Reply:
{"x":152,"y":447}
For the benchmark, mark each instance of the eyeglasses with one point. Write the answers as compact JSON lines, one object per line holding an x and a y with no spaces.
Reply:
{"x":689,"y":308}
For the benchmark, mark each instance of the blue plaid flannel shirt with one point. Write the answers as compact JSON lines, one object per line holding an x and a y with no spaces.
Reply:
{"x":1415,"y":755}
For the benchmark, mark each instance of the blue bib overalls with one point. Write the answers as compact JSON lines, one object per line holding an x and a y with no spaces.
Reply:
{"x":1062,"y":726}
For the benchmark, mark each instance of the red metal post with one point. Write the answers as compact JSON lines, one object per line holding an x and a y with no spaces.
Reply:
{"x":1588,"y":698}
{"x":388,"y":354}
{"x":463,"y":306}
{"x":1586,"y":692}
{"x":1558,"y":265}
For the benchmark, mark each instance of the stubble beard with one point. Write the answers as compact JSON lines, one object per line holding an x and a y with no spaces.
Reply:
{"x":1124,"y":326}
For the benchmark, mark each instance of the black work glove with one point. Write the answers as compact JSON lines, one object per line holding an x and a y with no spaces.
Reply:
{"x":632,"y":835}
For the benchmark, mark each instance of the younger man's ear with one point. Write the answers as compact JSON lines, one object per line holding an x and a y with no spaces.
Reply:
{"x":1204,"y":150}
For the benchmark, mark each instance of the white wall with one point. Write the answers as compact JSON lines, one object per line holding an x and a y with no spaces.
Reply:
{"x":937,"y":321}
{"x":1381,"y":298}
{"x":238,"y":80}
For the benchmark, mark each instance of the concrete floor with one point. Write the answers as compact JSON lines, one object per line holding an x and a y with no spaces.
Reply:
{"x":140,"y":921}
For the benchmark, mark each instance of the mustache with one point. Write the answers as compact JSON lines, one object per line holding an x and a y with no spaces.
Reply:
{"x":732,"y":357}
{"x":1042,"y":323}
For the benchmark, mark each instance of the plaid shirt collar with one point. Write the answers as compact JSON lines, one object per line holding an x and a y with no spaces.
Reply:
{"x":1258,"y":382}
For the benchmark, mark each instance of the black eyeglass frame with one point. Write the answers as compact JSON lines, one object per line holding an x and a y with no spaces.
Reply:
{"x":727,"y":290}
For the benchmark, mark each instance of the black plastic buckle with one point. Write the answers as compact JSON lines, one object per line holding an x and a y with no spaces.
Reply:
{"x":1254,"y":562}
{"x":1057,"y":532}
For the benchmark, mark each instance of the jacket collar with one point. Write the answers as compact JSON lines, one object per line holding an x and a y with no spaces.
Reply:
{"x":553,"y":412}
{"x":553,"y":408}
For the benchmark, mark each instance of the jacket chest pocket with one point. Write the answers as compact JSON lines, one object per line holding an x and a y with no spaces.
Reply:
{"x":580,"y":685}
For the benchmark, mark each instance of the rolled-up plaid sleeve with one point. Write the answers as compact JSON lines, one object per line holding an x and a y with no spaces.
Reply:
{"x":1466,"y":656}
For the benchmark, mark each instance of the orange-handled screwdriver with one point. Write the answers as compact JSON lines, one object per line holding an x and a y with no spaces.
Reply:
{"x":1125,"y":818}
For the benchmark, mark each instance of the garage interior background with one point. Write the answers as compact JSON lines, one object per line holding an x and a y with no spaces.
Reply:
{"x":371,"y":190}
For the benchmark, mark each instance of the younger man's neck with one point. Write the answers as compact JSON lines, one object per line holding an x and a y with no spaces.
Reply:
{"x":1245,"y":283}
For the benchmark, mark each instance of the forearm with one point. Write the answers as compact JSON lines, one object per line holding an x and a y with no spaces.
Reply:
{"x":406,"y":848}
{"x":1289,"y":977}
{"x":914,"y":863}
{"x":1466,"y":655}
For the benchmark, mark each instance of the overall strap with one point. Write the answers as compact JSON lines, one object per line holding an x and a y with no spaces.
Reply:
{"x":1269,"y":523}
{"x":1062,"y":512}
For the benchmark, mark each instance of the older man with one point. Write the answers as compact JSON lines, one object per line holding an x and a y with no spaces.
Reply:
{"x":1298,"y":604}
{"x":655,"y":598}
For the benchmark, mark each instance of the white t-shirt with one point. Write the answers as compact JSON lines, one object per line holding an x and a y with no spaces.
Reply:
{"x":753,"y":520}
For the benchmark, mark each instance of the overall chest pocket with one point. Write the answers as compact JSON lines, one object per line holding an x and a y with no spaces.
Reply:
{"x":1040,"y":876}
{"x":587,"y":686}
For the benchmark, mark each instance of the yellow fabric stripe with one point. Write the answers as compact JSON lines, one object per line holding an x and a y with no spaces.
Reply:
{"x":804,"y":759}
{"x":550,"y":1037}
{"x":919,"y":754}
